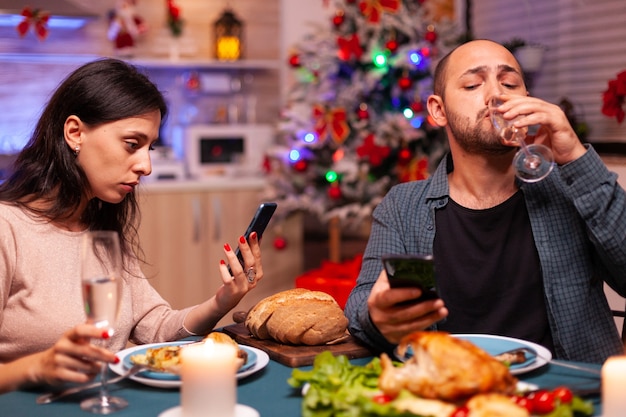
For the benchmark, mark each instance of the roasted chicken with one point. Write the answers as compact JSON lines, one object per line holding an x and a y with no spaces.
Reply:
{"x":446,"y":368}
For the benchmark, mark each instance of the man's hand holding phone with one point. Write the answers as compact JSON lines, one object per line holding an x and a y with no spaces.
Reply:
{"x":403,"y":307}
{"x":412,"y":271}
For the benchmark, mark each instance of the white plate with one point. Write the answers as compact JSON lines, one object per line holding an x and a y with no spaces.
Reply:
{"x":498,"y":344}
{"x":262,"y":359}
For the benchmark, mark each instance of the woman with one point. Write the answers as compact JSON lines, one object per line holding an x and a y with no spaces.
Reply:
{"x":79,"y":172}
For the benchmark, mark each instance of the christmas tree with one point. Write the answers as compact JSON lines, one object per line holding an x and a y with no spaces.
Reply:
{"x":355,"y":123}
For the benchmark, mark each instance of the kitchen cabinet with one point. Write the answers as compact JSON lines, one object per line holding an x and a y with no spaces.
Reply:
{"x":184,"y":227}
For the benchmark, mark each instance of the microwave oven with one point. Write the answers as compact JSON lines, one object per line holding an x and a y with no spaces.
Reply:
{"x":236,"y":150}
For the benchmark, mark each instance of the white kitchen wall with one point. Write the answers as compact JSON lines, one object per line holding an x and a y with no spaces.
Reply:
{"x":298,"y":18}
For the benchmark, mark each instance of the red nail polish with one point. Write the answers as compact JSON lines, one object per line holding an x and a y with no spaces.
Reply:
{"x":242,"y":239}
{"x":105,"y":334}
{"x":222,"y":262}
{"x":253,"y":235}
{"x":116,"y":360}
{"x":227,"y":247}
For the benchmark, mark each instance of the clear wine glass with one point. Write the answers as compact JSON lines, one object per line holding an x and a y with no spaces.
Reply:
{"x":532,"y":162}
{"x":101,"y":267}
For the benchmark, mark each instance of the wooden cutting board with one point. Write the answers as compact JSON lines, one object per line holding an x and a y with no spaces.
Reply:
{"x":294,"y":356}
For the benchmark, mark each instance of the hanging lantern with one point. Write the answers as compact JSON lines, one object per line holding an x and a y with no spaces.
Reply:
{"x":228,"y":37}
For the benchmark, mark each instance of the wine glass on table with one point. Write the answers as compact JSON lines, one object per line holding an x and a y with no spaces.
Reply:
{"x":532,"y":162}
{"x":101,"y":268}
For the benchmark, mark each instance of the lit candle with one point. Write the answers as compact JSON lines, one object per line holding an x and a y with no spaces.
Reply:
{"x":209,"y":383}
{"x":613,"y":383}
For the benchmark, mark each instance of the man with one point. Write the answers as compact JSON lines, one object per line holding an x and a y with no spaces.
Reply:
{"x":524,"y":260}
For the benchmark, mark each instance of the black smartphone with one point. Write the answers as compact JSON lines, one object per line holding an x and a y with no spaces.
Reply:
{"x":259,"y":222}
{"x":412,"y":271}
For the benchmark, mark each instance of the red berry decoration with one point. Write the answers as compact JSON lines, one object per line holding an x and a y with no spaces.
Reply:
{"x":280,"y":243}
{"x":294,"y":60}
{"x":405,"y":83}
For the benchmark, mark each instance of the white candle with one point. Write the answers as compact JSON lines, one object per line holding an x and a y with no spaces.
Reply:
{"x":614,"y":387}
{"x":209,"y":382}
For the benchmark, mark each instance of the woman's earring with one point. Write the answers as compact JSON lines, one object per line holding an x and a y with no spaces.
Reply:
{"x":76,"y":150}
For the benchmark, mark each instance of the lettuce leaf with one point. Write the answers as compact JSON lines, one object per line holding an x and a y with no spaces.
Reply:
{"x":339,"y":389}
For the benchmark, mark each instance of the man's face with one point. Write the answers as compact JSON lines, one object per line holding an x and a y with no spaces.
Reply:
{"x":476,"y":72}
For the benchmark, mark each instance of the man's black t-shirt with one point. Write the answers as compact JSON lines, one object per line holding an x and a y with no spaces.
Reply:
{"x":488,"y":272}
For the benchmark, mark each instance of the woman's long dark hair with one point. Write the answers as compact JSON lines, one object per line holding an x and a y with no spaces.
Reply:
{"x":98,"y":92}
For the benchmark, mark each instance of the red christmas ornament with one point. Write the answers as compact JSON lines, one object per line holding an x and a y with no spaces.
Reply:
{"x":280,"y":243}
{"x":431,"y":35}
{"x":339,"y":18}
{"x":404,"y":156}
{"x":417,"y":107}
{"x":301,"y":165}
{"x":405,"y":82}
{"x":294,"y":60}
{"x":391,"y":45}
{"x":362,"y":113}
{"x":334,"y":191}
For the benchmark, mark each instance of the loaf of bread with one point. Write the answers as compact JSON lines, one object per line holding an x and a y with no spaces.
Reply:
{"x":297,"y":317}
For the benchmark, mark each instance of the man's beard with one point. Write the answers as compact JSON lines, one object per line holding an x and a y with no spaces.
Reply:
{"x":476,"y":140}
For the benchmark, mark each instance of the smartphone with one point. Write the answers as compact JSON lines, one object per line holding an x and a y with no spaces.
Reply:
{"x":259,"y":222}
{"x":412,"y":271}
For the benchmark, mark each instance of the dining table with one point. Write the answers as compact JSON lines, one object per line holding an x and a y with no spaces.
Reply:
{"x":266,"y":391}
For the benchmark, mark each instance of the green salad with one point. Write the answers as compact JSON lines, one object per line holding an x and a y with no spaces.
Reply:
{"x":335,"y":387}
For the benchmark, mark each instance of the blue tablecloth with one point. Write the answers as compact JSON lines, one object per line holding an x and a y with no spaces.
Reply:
{"x":267,"y":391}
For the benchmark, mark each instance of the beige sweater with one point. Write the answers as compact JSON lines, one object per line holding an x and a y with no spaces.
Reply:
{"x":40,"y":291}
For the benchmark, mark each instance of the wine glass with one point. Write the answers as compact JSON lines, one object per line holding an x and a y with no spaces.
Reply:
{"x":532,"y":162}
{"x":101,"y":267}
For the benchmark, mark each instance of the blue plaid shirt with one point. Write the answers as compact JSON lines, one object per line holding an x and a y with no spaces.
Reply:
{"x":578,"y":220}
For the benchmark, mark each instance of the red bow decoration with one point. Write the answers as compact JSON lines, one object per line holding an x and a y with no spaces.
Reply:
{"x":348,"y":47}
{"x":613,"y":98}
{"x":415,"y":170}
{"x":376,"y":154}
{"x":373,"y":9}
{"x":331,"y":121}
{"x":38,"y":19}
{"x":173,"y":18}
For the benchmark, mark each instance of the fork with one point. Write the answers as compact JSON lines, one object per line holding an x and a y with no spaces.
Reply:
{"x":551,"y":361}
{"x":53,"y":396}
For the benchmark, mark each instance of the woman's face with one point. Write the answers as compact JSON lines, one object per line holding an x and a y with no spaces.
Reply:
{"x":116,"y":155}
